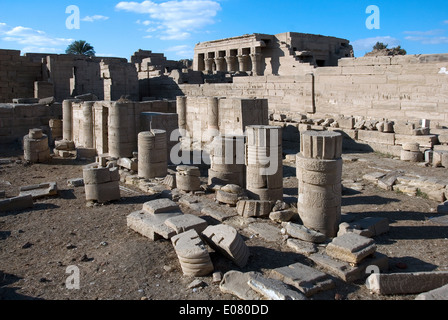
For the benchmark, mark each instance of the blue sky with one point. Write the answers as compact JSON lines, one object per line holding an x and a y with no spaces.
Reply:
{"x":119,"y":28}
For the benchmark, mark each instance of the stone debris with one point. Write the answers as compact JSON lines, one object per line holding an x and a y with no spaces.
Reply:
{"x":75,"y":183}
{"x":17,"y":203}
{"x":266,"y":231}
{"x":349,"y":272}
{"x":272,"y":289}
{"x":40,"y":191}
{"x":436,"y":294}
{"x":282,"y":216}
{"x":228,"y":241}
{"x":351,"y":248}
{"x":193,"y":254}
{"x":308,"y":280}
{"x":161,"y":206}
{"x":220,"y":213}
{"x":101,"y":184}
{"x":406,"y":283}
{"x":368,"y":227}
{"x":254,"y":208}
{"x":186,"y":222}
{"x":237,"y":284}
{"x":303,"y":233}
{"x":302,"y":247}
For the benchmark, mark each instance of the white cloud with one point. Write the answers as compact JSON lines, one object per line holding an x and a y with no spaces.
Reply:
{"x":33,"y":40}
{"x":182,"y":50}
{"x":179,"y":18}
{"x":94,"y":18}
{"x":368,"y":43}
{"x":427,"y":37}
{"x":445,"y":22}
{"x":425,"y":33}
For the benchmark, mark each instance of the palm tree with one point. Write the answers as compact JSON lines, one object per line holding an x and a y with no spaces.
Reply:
{"x":80,"y":47}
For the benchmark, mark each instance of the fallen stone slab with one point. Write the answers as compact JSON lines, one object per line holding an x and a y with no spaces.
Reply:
{"x":40,"y":190}
{"x":353,"y":228}
{"x":376,"y":225}
{"x":266,"y":231}
{"x":16,"y":203}
{"x":193,"y":254}
{"x":389,"y":180}
{"x":303,"y":233}
{"x":218,"y":212}
{"x":254,"y":208}
{"x":152,"y":226}
{"x":351,"y":248}
{"x":282,"y":216}
{"x":228,"y":241}
{"x":237,"y":284}
{"x":436,"y":294}
{"x":160,"y":206}
{"x":75,"y":183}
{"x":349,"y":273}
{"x":227,"y":197}
{"x":272,"y":289}
{"x":186,"y":222}
{"x":302,"y":247}
{"x":406,"y":283}
{"x":128,"y":164}
{"x":308,"y":280}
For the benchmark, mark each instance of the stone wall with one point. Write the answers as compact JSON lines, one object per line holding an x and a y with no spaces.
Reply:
{"x":17,"y":75}
{"x":17,"y":119}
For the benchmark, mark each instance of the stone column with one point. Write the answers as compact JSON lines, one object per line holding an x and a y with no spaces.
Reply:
{"x":231,"y":63}
{"x":220,"y":64}
{"x":182,"y":112}
{"x":242,"y":62}
{"x":256,"y":63}
{"x":319,"y":171}
{"x":122,"y":143}
{"x":227,"y":161}
{"x":209,"y":65}
{"x":213,"y":113}
{"x":67,"y":118}
{"x":152,"y":154}
{"x":264,"y":159}
{"x":87,"y":125}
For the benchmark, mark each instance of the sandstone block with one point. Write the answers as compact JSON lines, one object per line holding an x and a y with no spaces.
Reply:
{"x":272,"y":289}
{"x":254,"y":208}
{"x":16,"y":203}
{"x":237,"y":284}
{"x":160,"y":206}
{"x":303,"y":233}
{"x":351,"y":248}
{"x":186,"y":222}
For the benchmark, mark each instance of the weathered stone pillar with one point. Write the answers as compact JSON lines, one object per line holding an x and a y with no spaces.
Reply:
{"x":152,"y":154}
{"x":188,"y":178}
{"x":182,"y":112}
{"x":213,"y":113}
{"x":231,"y":63}
{"x":242,"y":62}
{"x":35,"y":146}
{"x":227,"y":161}
{"x":122,"y":143}
{"x":67,"y":118}
{"x":101,"y":184}
{"x":209,"y":65}
{"x":220,"y":64}
{"x":319,"y":170}
{"x":256,"y":63}
{"x":264,"y":161}
{"x":87,"y":125}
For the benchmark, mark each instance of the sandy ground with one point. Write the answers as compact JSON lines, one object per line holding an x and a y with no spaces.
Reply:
{"x":38,"y":245}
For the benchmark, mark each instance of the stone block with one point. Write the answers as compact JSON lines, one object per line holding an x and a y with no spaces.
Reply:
{"x":254,"y":208}
{"x":349,"y":273}
{"x":426,"y":141}
{"x":160,"y":206}
{"x":272,"y":289}
{"x":376,"y":137}
{"x":436,"y":294}
{"x":228,"y":241}
{"x":351,"y":248}
{"x":308,"y":280}
{"x":40,"y":191}
{"x":303,"y":233}
{"x":186,"y":222}
{"x":237,"y":284}
{"x":282,"y":216}
{"x":75,"y":183}
{"x":265,"y":231}
{"x":128,"y":164}
{"x":406,"y":283}
{"x":102,"y":193}
{"x":302,"y":247}
{"x":152,"y":226}
{"x":16,"y":204}
{"x":227,"y":197}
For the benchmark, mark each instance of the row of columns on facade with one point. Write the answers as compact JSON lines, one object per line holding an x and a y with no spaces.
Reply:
{"x":234,"y":63}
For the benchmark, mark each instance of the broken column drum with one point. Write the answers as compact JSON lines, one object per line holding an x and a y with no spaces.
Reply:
{"x":188,"y":178}
{"x":87,"y":125}
{"x":152,"y":154}
{"x":227,"y":161}
{"x":101,"y":184}
{"x":35,"y":146}
{"x":264,"y":160}
{"x":319,"y":171}
{"x":122,"y":134}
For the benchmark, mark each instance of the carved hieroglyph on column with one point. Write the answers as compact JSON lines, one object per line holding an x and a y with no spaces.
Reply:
{"x":319,"y":170}
{"x":264,"y":159}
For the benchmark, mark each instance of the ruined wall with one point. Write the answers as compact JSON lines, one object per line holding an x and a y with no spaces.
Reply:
{"x":17,"y":75}
{"x":17,"y":119}
{"x":398,"y":88}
